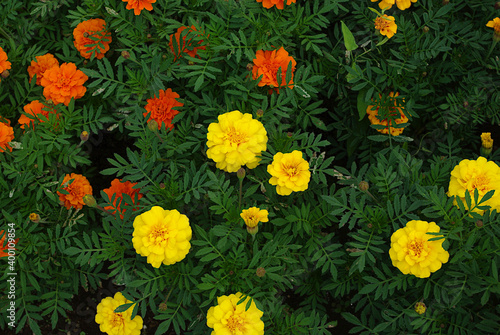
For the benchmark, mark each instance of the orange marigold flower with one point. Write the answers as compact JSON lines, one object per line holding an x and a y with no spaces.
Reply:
{"x":267,"y":64}
{"x":395,"y":112}
{"x":402,"y":4}
{"x":42,"y":64}
{"x":139,"y":5}
{"x":386,"y":25}
{"x":76,"y":190}
{"x":91,"y":37}
{"x":277,"y":3}
{"x":61,"y":83}
{"x":5,"y":246}
{"x":495,"y":24}
{"x":4,"y":63}
{"x":34,"y":108}
{"x":6,"y":135}
{"x":186,"y":46}
{"x":119,"y":188}
{"x":161,"y":108}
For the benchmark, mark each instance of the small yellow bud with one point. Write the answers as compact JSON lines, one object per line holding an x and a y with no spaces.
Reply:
{"x":34,"y":217}
{"x":84,"y":136}
{"x":486,"y":144}
{"x":89,"y":200}
{"x":420,"y":308}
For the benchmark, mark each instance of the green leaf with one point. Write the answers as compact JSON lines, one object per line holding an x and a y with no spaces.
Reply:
{"x":349,"y":41}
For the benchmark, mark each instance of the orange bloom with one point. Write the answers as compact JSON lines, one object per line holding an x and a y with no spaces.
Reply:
{"x":278,"y":3}
{"x":186,"y":46}
{"x":6,"y":135}
{"x":34,"y":108}
{"x":4,"y":246}
{"x":76,"y":191}
{"x":161,"y":108}
{"x":267,"y":64}
{"x":42,"y":64}
{"x":119,"y":188}
{"x":4,"y":63}
{"x":394,"y":111}
{"x":61,"y":83}
{"x":138,"y":5}
{"x":91,"y":37}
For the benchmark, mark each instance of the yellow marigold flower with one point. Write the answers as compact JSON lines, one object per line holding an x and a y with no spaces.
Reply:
{"x":495,"y":24}
{"x":117,"y":323}
{"x":236,"y":140}
{"x":386,"y":25}
{"x":373,"y":115}
{"x":289,"y":172}
{"x":402,"y":4}
{"x":162,"y":236}
{"x":420,"y":308}
{"x":254,"y":215}
{"x":480,"y":174}
{"x":231,"y":318}
{"x":413,"y":253}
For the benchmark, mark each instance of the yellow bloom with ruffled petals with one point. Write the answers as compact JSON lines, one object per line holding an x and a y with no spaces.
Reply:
{"x":231,"y":318}
{"x":162,"y":236}
{"x":253,"y":216}
{"x":113,"y":323}
{"x":413,"y":253}
{"x":236,"y":140}
{"x":479,"y":175}
{"x":290,"y":173}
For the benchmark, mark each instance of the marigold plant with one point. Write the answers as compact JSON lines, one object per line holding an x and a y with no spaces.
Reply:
{"x":236,"y":140}
{"x":162,"y":108}
{"x":91,"y":37}
{"x":268,"y":62}
{"x":113,"y":323}
{"x":229,"y":317}
{"x":480,"y":175}
{"x":387,"y":4}
{"x":61,"y":83}
{"x":40,"y":65}
{"x":6,"y":135}
{"x":139,"y":5}
{"x":278,"y":3}
{"x":76,"y":190}
{"x":118,"y":188}
{"x":412,"y":252}
{"x":373,"y":115}
{"x":4,"y":63}
{"x":186,"y":46}
{"x":35,"y":109}
{"x":162,"y":236}
{"x":386,"y":25}
{"x":289,"y":172}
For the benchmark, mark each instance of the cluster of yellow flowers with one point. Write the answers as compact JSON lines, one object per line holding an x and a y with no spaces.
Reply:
{"x":238,"y":140}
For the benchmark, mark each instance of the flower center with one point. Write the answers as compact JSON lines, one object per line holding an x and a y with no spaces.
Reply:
{"x":159,"y":234}
{"x":63,"y":82}
{"x":235,"y":137}
{"x":480,"y":182}
{"x":117,"y":320}
{"x":235,"y":322}
{"x":381,"y":23}
{"x":416,"y":247}
{"x":290,"y":170}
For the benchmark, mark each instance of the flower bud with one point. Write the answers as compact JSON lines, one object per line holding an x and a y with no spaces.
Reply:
{"x":486,"y":144}
{"x":34,"y":217}
{"x":241,"y":173}
{"x":445,"y":2}
{"x":260,"y":113}
{"x":89,"y":200}
{"x":260,"y":272}
{"x":479,"y":223}
{"x":162,"y":185}
{"x":85,"y":34}
{"x":125,"y":54}
{"x":497,"y":5}
{"x":420,"y":307}
{"x":148,"y":36}
{"x":5,"y":74}
{"x":84,"y":136}
{"x":289,"y":134}
{"x":153,"y":126}
{"x":363,"y":186}
{"x":163,"y":307}
{"x":425,"y":29}
{"x":249,"y":66}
